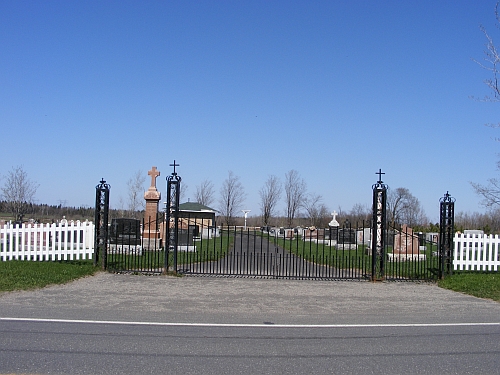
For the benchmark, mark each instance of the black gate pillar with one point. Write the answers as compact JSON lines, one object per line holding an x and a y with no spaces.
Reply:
{"x":379,"y":228}
{"x":101,"y":223}
{"x":446,"y":232}
{"x":172,"y":217}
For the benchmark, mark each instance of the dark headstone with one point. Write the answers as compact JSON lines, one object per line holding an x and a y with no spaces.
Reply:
{"x":334,"y":233}
{"x":186,"y":236}
{"x":125,"y":232}
{"x":347,"y":236}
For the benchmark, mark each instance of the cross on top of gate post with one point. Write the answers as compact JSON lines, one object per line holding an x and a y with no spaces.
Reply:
{"x":380,"y":173}
{"x":174,"y":165}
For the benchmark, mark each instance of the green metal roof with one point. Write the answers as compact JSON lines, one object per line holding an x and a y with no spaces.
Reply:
{"x":195,"y":207}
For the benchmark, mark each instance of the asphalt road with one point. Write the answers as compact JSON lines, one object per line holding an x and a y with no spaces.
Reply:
{"x":155,"y":324}
{"x":87,"y":348}
{"x":257,"y":256}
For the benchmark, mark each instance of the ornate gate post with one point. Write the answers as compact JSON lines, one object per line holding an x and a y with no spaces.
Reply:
{"x":379,"y":228}
{"x":446,"y":232}
{"x":101,"y":223}
{"x":172,"y":217}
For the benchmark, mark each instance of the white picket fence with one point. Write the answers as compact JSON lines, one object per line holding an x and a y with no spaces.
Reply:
{"x":43,"y":242}
{"x":476,"y":252}
{"x":75,"y":241}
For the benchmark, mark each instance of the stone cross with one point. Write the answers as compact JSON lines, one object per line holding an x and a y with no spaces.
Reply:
{"x":334,"y":222}
{"x":153,"y":173}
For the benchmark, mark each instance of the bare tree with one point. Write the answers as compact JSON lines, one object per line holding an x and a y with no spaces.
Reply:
{"x":19,"y":192}
{"x":295,"y":190}
{"x":317,"y":212}
{"x":414,"y":214}
{"x":396,"y":203}
{"x":205,"y":193}
{"x":404,"y":208}
{"x":491,"y":63}
{"x":232,"y":196}
{"x":490,"y":193}
{"x":135,"y":194}
{"x":359,"y":213}
{"x":270,"y":195}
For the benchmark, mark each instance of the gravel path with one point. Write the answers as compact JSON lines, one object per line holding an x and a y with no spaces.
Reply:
{"x":107,"y":296}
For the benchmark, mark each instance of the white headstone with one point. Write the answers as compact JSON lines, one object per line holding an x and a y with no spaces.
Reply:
{"x":334,"y":222}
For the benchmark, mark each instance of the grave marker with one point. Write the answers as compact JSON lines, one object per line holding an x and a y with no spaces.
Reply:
{"x":406,"y":245}
{"x":151,"y":233}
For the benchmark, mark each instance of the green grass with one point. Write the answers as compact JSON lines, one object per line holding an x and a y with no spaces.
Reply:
{"x":335,"y":257}
{"x":206,"y":250}
{"x":26,"y":275}
{"x":482,"y":285}
{"x":358,"y":258}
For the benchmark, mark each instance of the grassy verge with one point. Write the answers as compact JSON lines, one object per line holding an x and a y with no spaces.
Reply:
{"x":482,"y":285}
{"x":25,"y":275}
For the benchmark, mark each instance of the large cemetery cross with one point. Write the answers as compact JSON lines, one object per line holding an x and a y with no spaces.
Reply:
{"x":151,"y":234}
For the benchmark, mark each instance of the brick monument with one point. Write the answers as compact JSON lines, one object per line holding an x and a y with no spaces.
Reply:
{"x":151,"y":232}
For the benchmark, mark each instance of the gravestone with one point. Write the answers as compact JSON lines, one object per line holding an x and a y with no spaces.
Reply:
{"x":317,"y":235}
{"x":346,"y":239}
{"x":310,"y":234}
{"x":186,"y":237}
{"x":125,"y":236}
{"x":333,"y":229}
{"x":289,"y":233}
{"x":406,"y":245}
{"x":151,"y":232}
{"x":364,"y":236}
{"x":125,"y":231}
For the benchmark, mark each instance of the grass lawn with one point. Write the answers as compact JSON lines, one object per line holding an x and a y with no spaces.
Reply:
{"x":206,"y":250}
{"x":482,"y":285}
{"x":358,"y":258}
{"x":25,"y":275}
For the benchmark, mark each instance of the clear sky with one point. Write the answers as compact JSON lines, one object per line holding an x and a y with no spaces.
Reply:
{"x":333,"y":89}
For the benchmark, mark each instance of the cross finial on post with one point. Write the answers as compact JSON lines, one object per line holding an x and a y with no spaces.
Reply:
{"x":380,"y":173}
{"x":174,"y":165}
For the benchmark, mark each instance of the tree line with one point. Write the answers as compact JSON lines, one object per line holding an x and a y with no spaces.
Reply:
{"x":302,"y":208}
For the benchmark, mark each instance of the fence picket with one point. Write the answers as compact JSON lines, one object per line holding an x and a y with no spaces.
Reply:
{"x":39,"y":242}
{"x":474,"y":252}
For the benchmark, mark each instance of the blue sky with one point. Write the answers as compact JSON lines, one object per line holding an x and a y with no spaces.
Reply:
{"x":333,"y":89}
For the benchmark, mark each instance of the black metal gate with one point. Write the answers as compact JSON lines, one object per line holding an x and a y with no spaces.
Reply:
{"x":194,"y":244}
{"x":332,"y":253}
{"x":276,"y":253}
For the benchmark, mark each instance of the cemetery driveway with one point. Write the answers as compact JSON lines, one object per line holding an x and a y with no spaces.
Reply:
{"x":167,"y":299}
